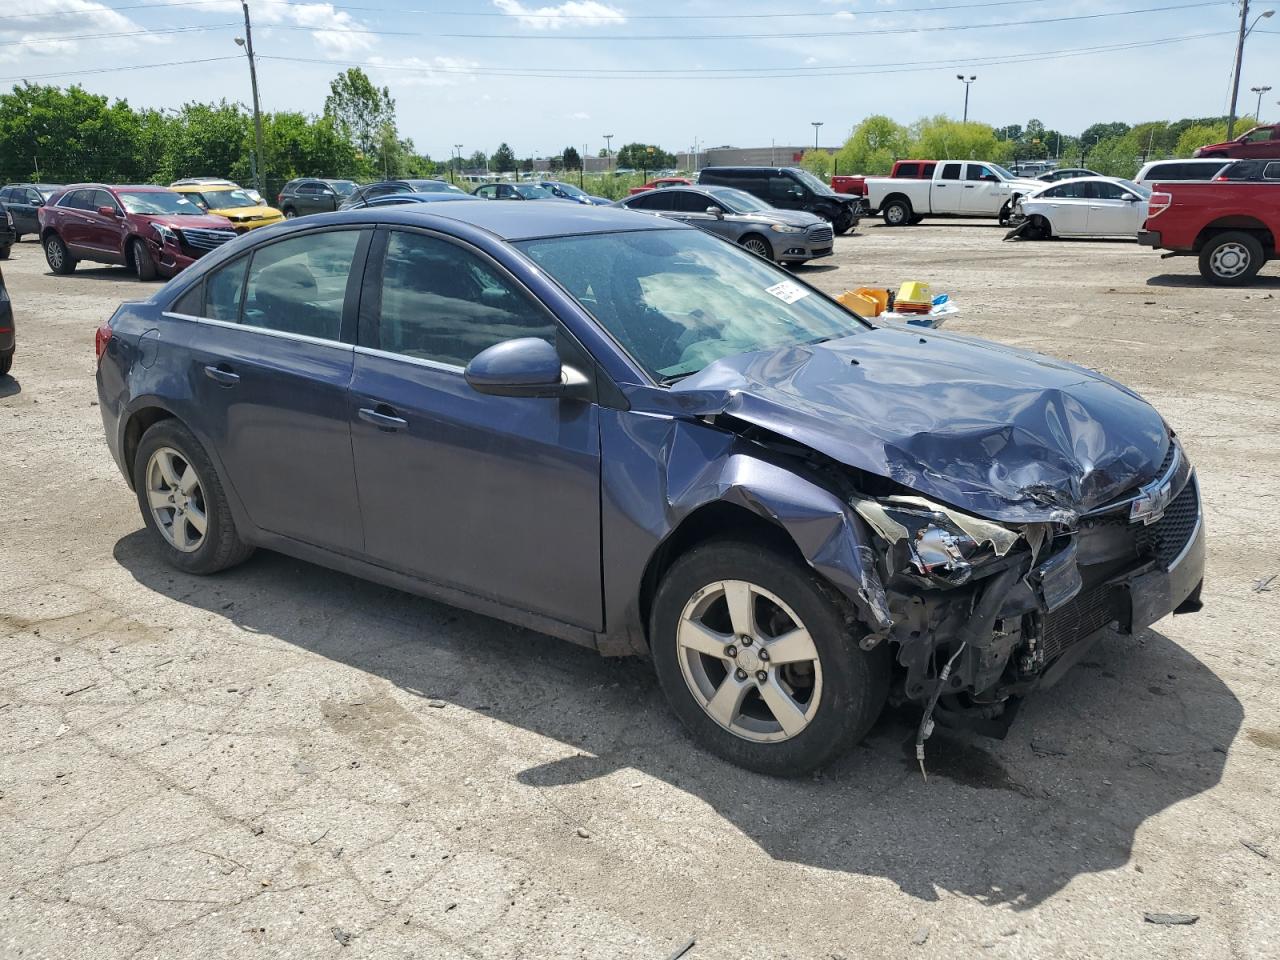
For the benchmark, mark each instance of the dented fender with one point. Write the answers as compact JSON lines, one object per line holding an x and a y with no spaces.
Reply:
{"x":688,"y":465}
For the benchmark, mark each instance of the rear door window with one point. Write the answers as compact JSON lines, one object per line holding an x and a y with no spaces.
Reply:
{"x":77,"y":200}
{"x":950,"y":171}
{"x":299,"y":285}
{"x":908,"y":170}
{"x":445,"y":303}
{"x":686,"y":201}
{"x":1271,"y":171}
{"x":654,"y":200}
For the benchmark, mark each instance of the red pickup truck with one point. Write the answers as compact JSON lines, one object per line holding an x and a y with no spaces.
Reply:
{"x":902,"y":169}
{"x":1231,"y":227}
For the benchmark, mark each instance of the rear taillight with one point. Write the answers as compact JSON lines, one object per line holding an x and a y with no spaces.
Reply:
{"x":101,"y":337}
{"x":279,"y":199}
{"x":1158,"y":204}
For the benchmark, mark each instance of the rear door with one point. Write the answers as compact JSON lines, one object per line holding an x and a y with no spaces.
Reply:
{"x":1069,"y":212}
{"x":495,"y":496}
{"x":947,"y":189}
{"x":271,"y":365}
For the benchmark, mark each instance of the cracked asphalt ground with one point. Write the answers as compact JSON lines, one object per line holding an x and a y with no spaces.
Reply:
{"x":286,"y":762}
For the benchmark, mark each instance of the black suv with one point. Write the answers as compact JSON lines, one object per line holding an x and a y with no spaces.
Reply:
{"x":24,"y":201}
{"x":313,"y":195}
{"x":789,"y":188}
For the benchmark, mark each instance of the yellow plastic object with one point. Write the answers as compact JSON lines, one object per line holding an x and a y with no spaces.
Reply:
{"x":913,"y":297}
{"x":881,"y":298}
{"x":863,"y":306}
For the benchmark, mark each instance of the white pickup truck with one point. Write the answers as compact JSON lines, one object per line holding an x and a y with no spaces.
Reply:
{"x":958,"y":189}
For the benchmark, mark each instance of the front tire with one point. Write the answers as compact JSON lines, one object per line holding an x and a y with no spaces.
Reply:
{"x":755,"y":654}
{"x":4,"y":251}
{"x":842,"y":223}
{"x":183,"y":502}
{"x":143,"y":264}
{"x":6,"y":363}
{"x":1232,"y":259}
{"x":757,"y":245}
{"x":1038,"y":229}
{"x":896,"y":213}
{"x":58,"y":256}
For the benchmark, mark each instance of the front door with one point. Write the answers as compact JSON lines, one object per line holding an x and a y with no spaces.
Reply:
{"x":271,"y":373}
{"x":1262,"y":143}
{"x":104,"y":233}
{"x":983,"y":193}
{"x":691,"y":208}
{"x":495,"y":496}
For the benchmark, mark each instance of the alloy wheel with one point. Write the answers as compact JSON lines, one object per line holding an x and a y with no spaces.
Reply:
{"x":758,"y":247}
{"x":177,"y":500}
{"x":53,"y":250}
{"x":749,"y":661}
{"x":1230,"y":260}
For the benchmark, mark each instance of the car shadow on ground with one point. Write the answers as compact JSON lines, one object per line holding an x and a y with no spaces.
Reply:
{"x":1195,"y":280}
{"x":97,"y":272}
{"x":1139,"y":726}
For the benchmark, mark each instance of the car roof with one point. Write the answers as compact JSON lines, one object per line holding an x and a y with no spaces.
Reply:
{"x":515,"y":221}
{"x":398,"y":198}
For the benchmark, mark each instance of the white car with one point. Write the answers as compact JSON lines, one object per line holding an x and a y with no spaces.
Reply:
{"x":956,"y":189}
{"x":1180,"y":171}
{"x":1085,"y":207}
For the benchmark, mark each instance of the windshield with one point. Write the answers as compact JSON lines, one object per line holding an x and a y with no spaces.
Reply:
{"x":226,"y":199}
{"x":998,"y":170}
{"x":1143,"y":192}
{"x":678,"y":300}
{"x":568,"y":189}
{"x":813,"y":183}
{"x":531,"y":192}
{"x":739,"y":201}
{"x":159,"y":202}
{"x":344,"y":188}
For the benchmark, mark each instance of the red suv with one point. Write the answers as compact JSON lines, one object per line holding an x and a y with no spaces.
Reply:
{"x":1260,"y":143}
{"x":154,"y":231}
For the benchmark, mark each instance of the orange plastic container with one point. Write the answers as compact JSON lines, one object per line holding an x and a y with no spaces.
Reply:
{"x":865,"y":301}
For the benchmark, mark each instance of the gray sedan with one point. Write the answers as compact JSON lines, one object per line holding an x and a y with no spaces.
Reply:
{"x":786,"y":236}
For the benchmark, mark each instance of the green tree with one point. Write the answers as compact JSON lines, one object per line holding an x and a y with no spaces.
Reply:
{"x":205,"y":140}
{"x":1199,"y":135}
{"x":68,"y":135}
{"x":817,"y":162}
{"x":572,"y":160}
{"x":644,"y":156}
{"x":364,"y":113}
{"x":941,"y":138}
{"x":1103,"y":131}
{"x":503,"y":159}
{"x":873,"y":146}
{"x":478,"y":160}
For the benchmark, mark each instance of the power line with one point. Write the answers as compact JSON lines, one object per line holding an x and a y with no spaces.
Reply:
{"x":123,"y":33}
{"x":544,"y":16}
{"x":125,"y":69}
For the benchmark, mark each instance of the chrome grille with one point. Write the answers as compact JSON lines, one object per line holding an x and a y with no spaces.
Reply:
{"x":1167,"y":537}
{"x":202,"y":241}
{"x":821,"y":234}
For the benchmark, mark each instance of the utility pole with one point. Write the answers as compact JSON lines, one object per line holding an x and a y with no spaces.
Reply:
{"x":247,"y":43}
{"x":1259,"y":91}
{"x":1235,"y":77}
{"x":815,"y":124}
{"x":457,"y":168}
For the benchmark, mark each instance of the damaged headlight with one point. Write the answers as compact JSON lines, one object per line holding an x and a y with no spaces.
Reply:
{"x":935,"y":541}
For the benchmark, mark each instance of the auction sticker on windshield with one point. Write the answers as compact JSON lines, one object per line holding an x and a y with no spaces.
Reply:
{"x":787,"y":291}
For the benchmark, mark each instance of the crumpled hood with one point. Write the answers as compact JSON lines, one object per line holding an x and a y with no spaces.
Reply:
{"x":1003,"y":433}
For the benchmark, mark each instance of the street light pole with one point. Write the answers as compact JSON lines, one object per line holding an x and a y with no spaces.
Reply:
{"x":608,"y":149}
{"x":1259,"y":91}
{"x":457,"y":148}
{"x":247,"y":43}
{"x":815,"y":124}
{"x":1235,"y":76}
{"x":966,"y":82}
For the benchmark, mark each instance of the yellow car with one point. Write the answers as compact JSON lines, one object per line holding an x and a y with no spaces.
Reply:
{"x":241,"y":206}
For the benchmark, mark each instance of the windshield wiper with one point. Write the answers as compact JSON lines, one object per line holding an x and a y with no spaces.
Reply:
{"x":675,"y":378}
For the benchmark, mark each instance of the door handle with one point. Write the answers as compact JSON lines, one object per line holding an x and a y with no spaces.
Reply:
{"x":383,"y":417}
{"x":221,"y":375}
{"x":969,"y":186}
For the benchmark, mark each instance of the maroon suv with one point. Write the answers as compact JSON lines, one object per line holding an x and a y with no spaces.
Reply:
{"x":151,"y":230}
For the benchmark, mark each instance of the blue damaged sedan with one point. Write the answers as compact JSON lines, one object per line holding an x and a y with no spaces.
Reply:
{"x":630,"y":434}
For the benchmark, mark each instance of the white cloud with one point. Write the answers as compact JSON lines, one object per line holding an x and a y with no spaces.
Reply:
{"x":335,"y":32}
{"x":844,"y":15}
{"x":577,"y":116}
{"x":588,"y":13}
{"x":43,"y":25}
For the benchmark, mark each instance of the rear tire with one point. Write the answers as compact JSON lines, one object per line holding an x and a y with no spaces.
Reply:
{"x":179,"y":490}
{"x":6,"y":363}
{"x":896,"y":213}
{"x":58,"y":256}
{"x":290,"y":213}
{"x":1232,"y":259}
{"x":783,"y":717}
{"x":143,"y":265}
{"x":4,"y":251}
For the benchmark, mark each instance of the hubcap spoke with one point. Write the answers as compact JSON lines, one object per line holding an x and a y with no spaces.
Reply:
{"x":179,"y":530}
{"x":164,"y":461}
{"x":696,"y":636}
{"x":741,"y":601}
{"x":724,"y":706}
{"x":793,"y":647}
{"x":159,"y":500}
{"x":188,"y":481}
{"x":787,"y":712}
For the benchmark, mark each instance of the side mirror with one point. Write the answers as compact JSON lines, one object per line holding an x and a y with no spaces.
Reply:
{"x":105,"y":211}
{"x":715,"y":212}
{"x":527,"y":367}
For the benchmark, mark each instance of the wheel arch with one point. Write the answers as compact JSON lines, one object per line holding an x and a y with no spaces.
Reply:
{"x":137,"y":423}
{"x":897,"y":196}
{"x":1242,"y":222}
{"x":756,"y":235}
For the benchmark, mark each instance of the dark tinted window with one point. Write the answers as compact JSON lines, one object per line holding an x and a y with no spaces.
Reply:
{"x":908,"y":170}
{"x":442,"y":302}
{"x":653,"y":200}
{"x":951,"y":171}
{"x":686,"y":201}
{"x":191,"y":303}
{"x":385,"y":189}
{"x":1272,"y":171}
{"x":103,"y":199}
{"x":7,"y":194}
{"x":927,"y":170}
{"x":299,"y":285}
{"x":1109,"y":191}
{"x":976,"y":171}
{"x":78,"y":200}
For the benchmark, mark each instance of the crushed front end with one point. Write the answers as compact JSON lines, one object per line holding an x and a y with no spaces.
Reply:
{"x":983,"y":612}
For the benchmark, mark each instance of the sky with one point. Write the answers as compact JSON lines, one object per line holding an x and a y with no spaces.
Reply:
{"x":672,"y":72}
